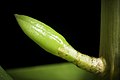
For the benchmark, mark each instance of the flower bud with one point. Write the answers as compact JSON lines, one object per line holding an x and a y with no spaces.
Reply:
{"x":42,"y":34}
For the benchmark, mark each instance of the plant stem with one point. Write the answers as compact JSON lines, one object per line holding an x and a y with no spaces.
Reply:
{"x":110,"y":38}
{"x":91,"y":64}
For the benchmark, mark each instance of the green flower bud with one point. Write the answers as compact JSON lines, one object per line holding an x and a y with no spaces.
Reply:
{"x":42,"y":34}
{"x":54,"y":43}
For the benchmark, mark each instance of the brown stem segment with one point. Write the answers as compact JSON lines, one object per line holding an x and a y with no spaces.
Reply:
{"x":91,"y":64}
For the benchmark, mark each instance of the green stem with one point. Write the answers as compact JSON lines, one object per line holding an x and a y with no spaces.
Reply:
{"x":91,"y":64}
{"x":110,"y":38}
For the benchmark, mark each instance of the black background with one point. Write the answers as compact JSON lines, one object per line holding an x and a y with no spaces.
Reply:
{"x":78,"y":21}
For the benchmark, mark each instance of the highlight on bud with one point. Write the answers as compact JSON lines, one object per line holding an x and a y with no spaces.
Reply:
{"x":42,"y":34}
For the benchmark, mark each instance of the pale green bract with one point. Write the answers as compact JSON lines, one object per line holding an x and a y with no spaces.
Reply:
{"x":42,"y":34}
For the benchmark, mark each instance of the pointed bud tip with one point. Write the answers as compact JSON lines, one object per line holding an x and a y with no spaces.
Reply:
{"x":16,"y":15}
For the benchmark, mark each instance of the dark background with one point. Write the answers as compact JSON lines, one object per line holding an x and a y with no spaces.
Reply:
{"x":78,"y":21}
